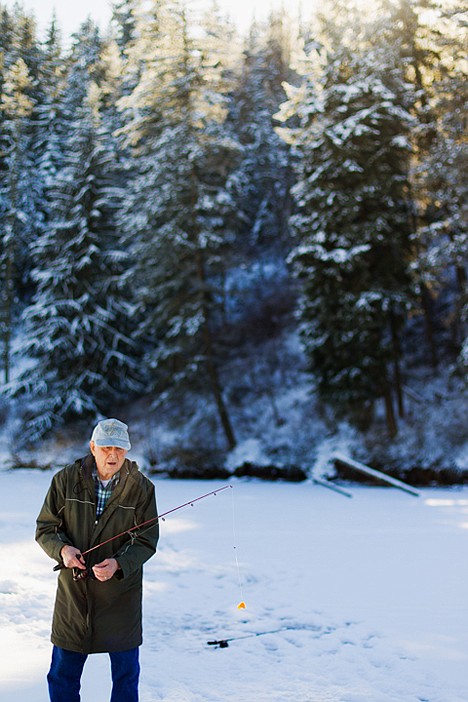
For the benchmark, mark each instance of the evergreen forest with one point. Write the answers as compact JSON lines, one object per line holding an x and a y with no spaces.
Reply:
{"x":250,"y":246}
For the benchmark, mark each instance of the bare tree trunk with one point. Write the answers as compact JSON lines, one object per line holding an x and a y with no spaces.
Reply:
{"x":210,"y":361}
{"x":459,"y":332}
{"x":390,"y":416}
{"x":218,"y":397}
{"x":396,"y":364}
{"x":390,"y":413}
{"x":429,"y":325}
{"x":7,"y":311}
{"x":457,"y":323}
{"x":8,"y":288}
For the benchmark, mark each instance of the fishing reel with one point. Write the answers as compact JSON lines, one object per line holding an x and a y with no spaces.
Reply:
{"x":223,"y":643}
{"x":79,"y":574}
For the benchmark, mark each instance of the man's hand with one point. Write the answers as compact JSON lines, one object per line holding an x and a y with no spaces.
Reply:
{"x":106,"y":569}
{"x":71,"y":557}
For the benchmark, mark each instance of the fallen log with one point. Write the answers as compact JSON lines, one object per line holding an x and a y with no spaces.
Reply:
{"x":327,"y":484}
{"x":362,"y":468}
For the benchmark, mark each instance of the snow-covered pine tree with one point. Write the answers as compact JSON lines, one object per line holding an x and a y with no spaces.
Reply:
{"x":21,"y":192}
{"x":77,"y":326}
{"x":352,"y":221}
{"x":437,"y":64}
{"x":264,"y":176}
{"x":124,"y":22}
{"x":410,"y":28}
{"x":448,"y":172}
{"x":108,"y":91}
{"x":15,"y":185}
{"x":178,"y":210}
{"x":50,"y":120}
{"x":259,"y":286}
{"x":48,"y":132}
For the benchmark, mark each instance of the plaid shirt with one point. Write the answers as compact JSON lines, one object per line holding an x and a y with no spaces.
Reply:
{"x":103,"y":492}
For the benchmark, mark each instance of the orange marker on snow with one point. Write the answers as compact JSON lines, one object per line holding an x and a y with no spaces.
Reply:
{"x":241,"y":605}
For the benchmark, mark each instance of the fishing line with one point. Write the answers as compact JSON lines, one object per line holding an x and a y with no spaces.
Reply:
{"x":241,"y":604}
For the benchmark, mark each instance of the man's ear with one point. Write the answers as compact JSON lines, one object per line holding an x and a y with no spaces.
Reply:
{"x":91,"y":446}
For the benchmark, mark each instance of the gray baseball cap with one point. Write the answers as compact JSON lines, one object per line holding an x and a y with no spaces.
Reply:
{"x":111,"y":432}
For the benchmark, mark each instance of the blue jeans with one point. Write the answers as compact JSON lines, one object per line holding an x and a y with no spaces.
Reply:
{"x":64,"y":676}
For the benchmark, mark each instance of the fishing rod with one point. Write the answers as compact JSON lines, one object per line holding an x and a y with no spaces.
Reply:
{"x":82,"y":574}
{"x":224,"y":643}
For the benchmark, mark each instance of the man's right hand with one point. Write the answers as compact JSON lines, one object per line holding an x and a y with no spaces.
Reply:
{"x":71,"y":557}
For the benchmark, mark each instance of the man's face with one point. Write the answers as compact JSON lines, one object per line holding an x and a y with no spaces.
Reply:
{"x":109,"y":459}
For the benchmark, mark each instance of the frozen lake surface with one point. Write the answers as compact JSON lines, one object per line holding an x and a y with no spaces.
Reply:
{"x":347,"y":600}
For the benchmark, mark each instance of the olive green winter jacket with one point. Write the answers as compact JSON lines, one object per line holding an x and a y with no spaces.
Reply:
{"x":92,"y":616}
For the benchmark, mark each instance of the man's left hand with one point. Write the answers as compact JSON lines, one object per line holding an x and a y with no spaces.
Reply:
{"x":106,"y":569}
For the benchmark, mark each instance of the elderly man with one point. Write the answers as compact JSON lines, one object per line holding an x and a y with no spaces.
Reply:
{"x":98,"y":601}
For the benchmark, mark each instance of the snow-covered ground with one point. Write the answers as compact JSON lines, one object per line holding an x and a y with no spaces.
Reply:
{"x":348,"y":600}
